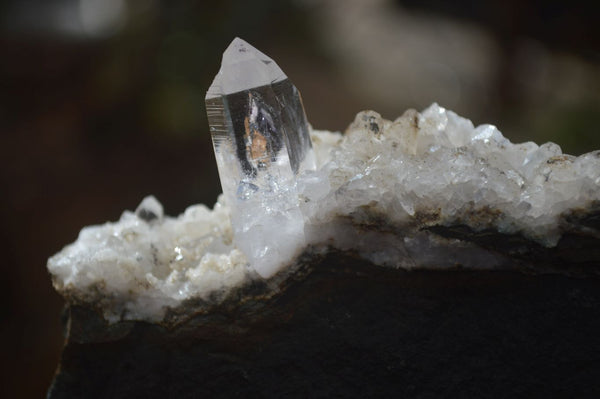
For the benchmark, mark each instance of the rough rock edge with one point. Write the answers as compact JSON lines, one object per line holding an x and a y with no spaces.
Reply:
{"x":576,"y":254}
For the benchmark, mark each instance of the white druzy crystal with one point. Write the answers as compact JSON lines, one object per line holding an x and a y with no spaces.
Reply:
{"x":439,"y":162}
{"x":143,"y":265}
{"x":373,"y":191}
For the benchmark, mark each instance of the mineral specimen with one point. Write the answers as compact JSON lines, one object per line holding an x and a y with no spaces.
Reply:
{"x":276,"y":291}
{"x":426,"y":191}
{"x":261,"y":141}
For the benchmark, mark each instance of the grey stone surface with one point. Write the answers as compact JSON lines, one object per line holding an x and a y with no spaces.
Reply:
{"x":343,"y":328}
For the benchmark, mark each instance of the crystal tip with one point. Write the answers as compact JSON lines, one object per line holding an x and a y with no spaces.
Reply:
{"x":244,"y":67}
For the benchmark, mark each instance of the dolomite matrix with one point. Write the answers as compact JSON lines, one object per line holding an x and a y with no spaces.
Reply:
{"x":426,"y":191}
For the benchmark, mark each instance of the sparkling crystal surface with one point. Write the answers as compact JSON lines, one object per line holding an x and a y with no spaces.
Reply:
{"x":376,"y":191}
{"x":261,"y":141}
{"x":384,"y":190}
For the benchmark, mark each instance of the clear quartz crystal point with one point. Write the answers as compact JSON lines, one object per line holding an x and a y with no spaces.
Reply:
{"x":261,"y":141}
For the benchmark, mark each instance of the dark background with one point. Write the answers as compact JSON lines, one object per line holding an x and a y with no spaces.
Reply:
{"x":102,"y":103}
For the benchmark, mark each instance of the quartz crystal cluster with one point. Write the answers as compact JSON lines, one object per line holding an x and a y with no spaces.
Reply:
{"x":383,"y":190}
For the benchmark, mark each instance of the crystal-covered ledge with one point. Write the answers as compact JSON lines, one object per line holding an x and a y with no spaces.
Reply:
{"x":426,"y":191}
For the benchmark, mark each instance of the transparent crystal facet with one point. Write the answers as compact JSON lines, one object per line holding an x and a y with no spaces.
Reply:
{"x":261,"y":141}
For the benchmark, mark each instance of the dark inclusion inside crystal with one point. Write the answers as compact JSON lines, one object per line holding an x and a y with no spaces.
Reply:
{"x":266,"y":119}
{"x":260,"y":142}
{"x":146,"y":215}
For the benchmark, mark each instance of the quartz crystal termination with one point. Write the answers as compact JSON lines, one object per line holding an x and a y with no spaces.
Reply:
{"x":261,"y":140}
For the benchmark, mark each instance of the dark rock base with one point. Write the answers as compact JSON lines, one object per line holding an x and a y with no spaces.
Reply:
{"x":349,"y":329}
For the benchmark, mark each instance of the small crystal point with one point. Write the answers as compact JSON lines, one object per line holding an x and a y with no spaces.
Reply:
{"x":261,"y":141}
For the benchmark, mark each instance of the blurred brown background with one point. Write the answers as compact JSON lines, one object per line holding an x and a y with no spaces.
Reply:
{"x":101,"y":103}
